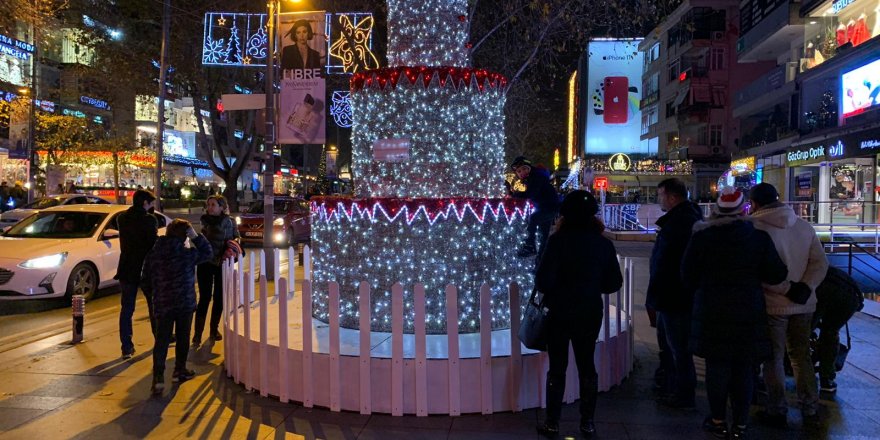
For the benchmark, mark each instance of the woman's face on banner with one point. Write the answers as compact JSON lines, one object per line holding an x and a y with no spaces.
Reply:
{"x":302,"y":34}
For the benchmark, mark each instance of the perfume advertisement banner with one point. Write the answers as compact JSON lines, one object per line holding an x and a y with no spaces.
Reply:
{"x":302,"y":106}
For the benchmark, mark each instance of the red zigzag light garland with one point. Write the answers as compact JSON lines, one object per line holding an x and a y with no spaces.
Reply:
{"x":334,"y":208}
{"x":461,"y":77}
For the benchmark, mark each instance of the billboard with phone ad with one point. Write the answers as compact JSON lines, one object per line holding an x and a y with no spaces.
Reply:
{"x":303,"y":103}
{"x":614,"y":79}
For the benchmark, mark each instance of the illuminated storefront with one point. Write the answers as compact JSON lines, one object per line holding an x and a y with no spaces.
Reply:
{"x":837,"y":25}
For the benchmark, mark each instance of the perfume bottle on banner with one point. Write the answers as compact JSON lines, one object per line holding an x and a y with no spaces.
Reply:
{"x":302,"y":119}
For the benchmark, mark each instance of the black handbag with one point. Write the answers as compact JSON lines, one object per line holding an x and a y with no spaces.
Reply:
{"x":533,"y":328}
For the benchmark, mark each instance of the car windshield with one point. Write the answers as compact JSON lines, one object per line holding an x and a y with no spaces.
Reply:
{"x":57,"y":224}
{"x":43,"y":203}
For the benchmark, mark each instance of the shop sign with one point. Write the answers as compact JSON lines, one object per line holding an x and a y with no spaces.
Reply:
{"x":811,"y":154}
{"x":804,"y":184}
{"x":15,"y":48}
{"x":869,"y":143}
{"x":746,"y":162}
{"x":97,"y":103}
{"x":620,"y":162}
{"x":839,"y":5}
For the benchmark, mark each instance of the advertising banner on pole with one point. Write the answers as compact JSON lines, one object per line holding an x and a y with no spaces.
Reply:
{"x":612,"y":98}
{"x":303,"y":103}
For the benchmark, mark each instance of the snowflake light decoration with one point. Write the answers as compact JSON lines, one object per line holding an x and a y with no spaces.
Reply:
{"x":353,"y":44}
{"x":213,"y":52}
{"x":340,"y":108}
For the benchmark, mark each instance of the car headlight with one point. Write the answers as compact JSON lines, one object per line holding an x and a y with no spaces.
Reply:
{"x":279,"y":237}
{"x":278,"y":222}
{"x":237,"y":220}
{"x":46,"y":262}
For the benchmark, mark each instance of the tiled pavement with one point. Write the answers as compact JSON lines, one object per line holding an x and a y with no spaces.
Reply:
{"x":50,"y":389}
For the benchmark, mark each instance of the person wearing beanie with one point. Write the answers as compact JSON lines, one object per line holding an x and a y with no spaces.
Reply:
{"x":169,"y":275}
{"x":725,"y":264}
{"x":668,"y":297}
{"x":790,"y":305}
{"x":544,"y":199}
{"x":578,"y":266}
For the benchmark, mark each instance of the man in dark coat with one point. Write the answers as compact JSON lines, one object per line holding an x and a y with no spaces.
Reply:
{"x":169,"y":276}
{"x":839,"y":298}
{"x":138,"y":229}
{"x":726,"y":263}
{"x":666,"y":293}
{"x":545,"y":200}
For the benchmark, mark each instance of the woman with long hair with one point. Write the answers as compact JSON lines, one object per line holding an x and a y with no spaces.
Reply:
{"x":219,"y":229}
{"x":578,"y":266}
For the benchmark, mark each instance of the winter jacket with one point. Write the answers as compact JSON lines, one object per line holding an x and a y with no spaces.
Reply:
{"x":137,"y":234}
{"x":577,"y":267}
{"x":725,"y":263}
{"x":800,"y":249}
{"x":665,"y":291}
{"x":219,"y":229}
{"x":839,"y":294}
{"x":540,"y":191}
{"x":169,"y":273}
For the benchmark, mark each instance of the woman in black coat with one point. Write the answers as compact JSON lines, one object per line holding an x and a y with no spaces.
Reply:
{"x":578,"y":266}
{"x":725,"y":263}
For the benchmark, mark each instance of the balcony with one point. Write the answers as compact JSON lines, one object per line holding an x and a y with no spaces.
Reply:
{"x":768,"y":35}
{"x":776,"y":85}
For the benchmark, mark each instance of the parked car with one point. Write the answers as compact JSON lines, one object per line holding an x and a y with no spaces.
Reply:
{"x":13,"y":216}
{"x":292,"y":224}
{"x":62,"y":251}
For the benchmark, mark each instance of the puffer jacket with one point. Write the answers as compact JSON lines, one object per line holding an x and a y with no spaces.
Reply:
{"x":137,"y":234}
{"x":169,"y":273}
{"x":219,"y":229}
{"x":800,"y":250}
{"x":725,"y":263}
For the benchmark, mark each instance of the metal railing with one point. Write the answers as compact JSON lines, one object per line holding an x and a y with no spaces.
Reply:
{"x":858,"y":261}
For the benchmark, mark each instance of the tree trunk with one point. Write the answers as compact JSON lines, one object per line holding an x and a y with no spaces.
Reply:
{"x":116,"y":177}
{"x":231,"y":193}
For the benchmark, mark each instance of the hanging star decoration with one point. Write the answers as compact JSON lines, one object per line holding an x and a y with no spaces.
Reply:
{"x":353,"y":45}
{"x":221,"y":21}
{"x":246,"y":60}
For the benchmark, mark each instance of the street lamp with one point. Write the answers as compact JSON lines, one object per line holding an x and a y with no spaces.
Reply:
{"x":30,"y":175}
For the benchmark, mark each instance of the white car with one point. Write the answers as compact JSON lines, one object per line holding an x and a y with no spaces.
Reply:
{"x":12,"y":216}
{"x":62,"y":251}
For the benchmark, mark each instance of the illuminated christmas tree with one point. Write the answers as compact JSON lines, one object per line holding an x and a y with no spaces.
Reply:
{"x":428,"y":162}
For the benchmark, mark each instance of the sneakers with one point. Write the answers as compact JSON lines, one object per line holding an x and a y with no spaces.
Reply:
{"x":158,"y":385}
{"x":827,"y":385}
{"x":549,"y":429}
{"x":129,"y":355}
{"x":718,"y":429}
{"x":737,"y":432}
{"x":772,"y":420}
{"x":182,"y":375}
{"x":588,"y":428}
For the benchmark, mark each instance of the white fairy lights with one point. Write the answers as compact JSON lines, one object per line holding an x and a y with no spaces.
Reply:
{"x":428,"y":166}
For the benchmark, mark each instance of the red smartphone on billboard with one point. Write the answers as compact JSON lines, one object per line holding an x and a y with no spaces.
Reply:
{"x":616,"y":92}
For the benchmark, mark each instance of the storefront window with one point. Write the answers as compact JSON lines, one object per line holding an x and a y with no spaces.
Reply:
{"x":846,"y":192}
{"x":838,"y":23}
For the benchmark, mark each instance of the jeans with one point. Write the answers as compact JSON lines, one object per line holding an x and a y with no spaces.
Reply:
{"x":792,"y":331}
{"x":210,"y":280}
{"x":167,"y":322}
{"x":677,"y":328}
{"x":539,"y":227}
{"x":582,"y":334}
{"x":730,"y":378}
{"x":829,"y":324}
{"x":129,"y":296}
{"x":667,"y":362}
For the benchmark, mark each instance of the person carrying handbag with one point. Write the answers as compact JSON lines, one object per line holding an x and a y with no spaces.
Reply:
{"x":219,"y":229}
{"x":578,"y":266}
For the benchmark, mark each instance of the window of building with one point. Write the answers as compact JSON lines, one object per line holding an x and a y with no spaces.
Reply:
{"x":716,"y":58}
{"x":670,"y":109}
{"x":831,"y":25}
{"x":652,"y":54}
{"x":673,"y":71}
{"x":649,"y":118}
{"x":715,"y":133}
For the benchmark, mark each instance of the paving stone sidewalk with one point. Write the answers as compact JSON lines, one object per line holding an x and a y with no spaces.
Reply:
{"x":51,"y":389}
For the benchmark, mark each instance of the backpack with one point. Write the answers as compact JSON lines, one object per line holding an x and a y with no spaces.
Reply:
{"x":839,"y":289}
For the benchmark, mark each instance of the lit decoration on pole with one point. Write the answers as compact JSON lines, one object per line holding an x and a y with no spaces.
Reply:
{"x":572,"y":111}
{"x":231,"y":38}
{"x":340,"y":108}
{"x":428,"y":162}
{"x":353,"y":43}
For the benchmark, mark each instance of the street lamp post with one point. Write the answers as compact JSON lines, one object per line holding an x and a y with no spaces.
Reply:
{"x":269,"y":162}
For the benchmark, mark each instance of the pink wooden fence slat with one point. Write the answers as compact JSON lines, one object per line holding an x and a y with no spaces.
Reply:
{"x":486,"y":349}
{"x":264,"y":336}
{"x":396,"y":350}
{"x":515,"y":377}
{"x":307,"y":378}
{"x":283,"y":343}
{"x":335,"y":396}
{"x":421,"y":348}
{"x":454,"y":359}
{"x":365,"y":347}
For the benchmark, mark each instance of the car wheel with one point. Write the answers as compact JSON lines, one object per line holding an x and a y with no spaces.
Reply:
{"x":83,"y":281}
